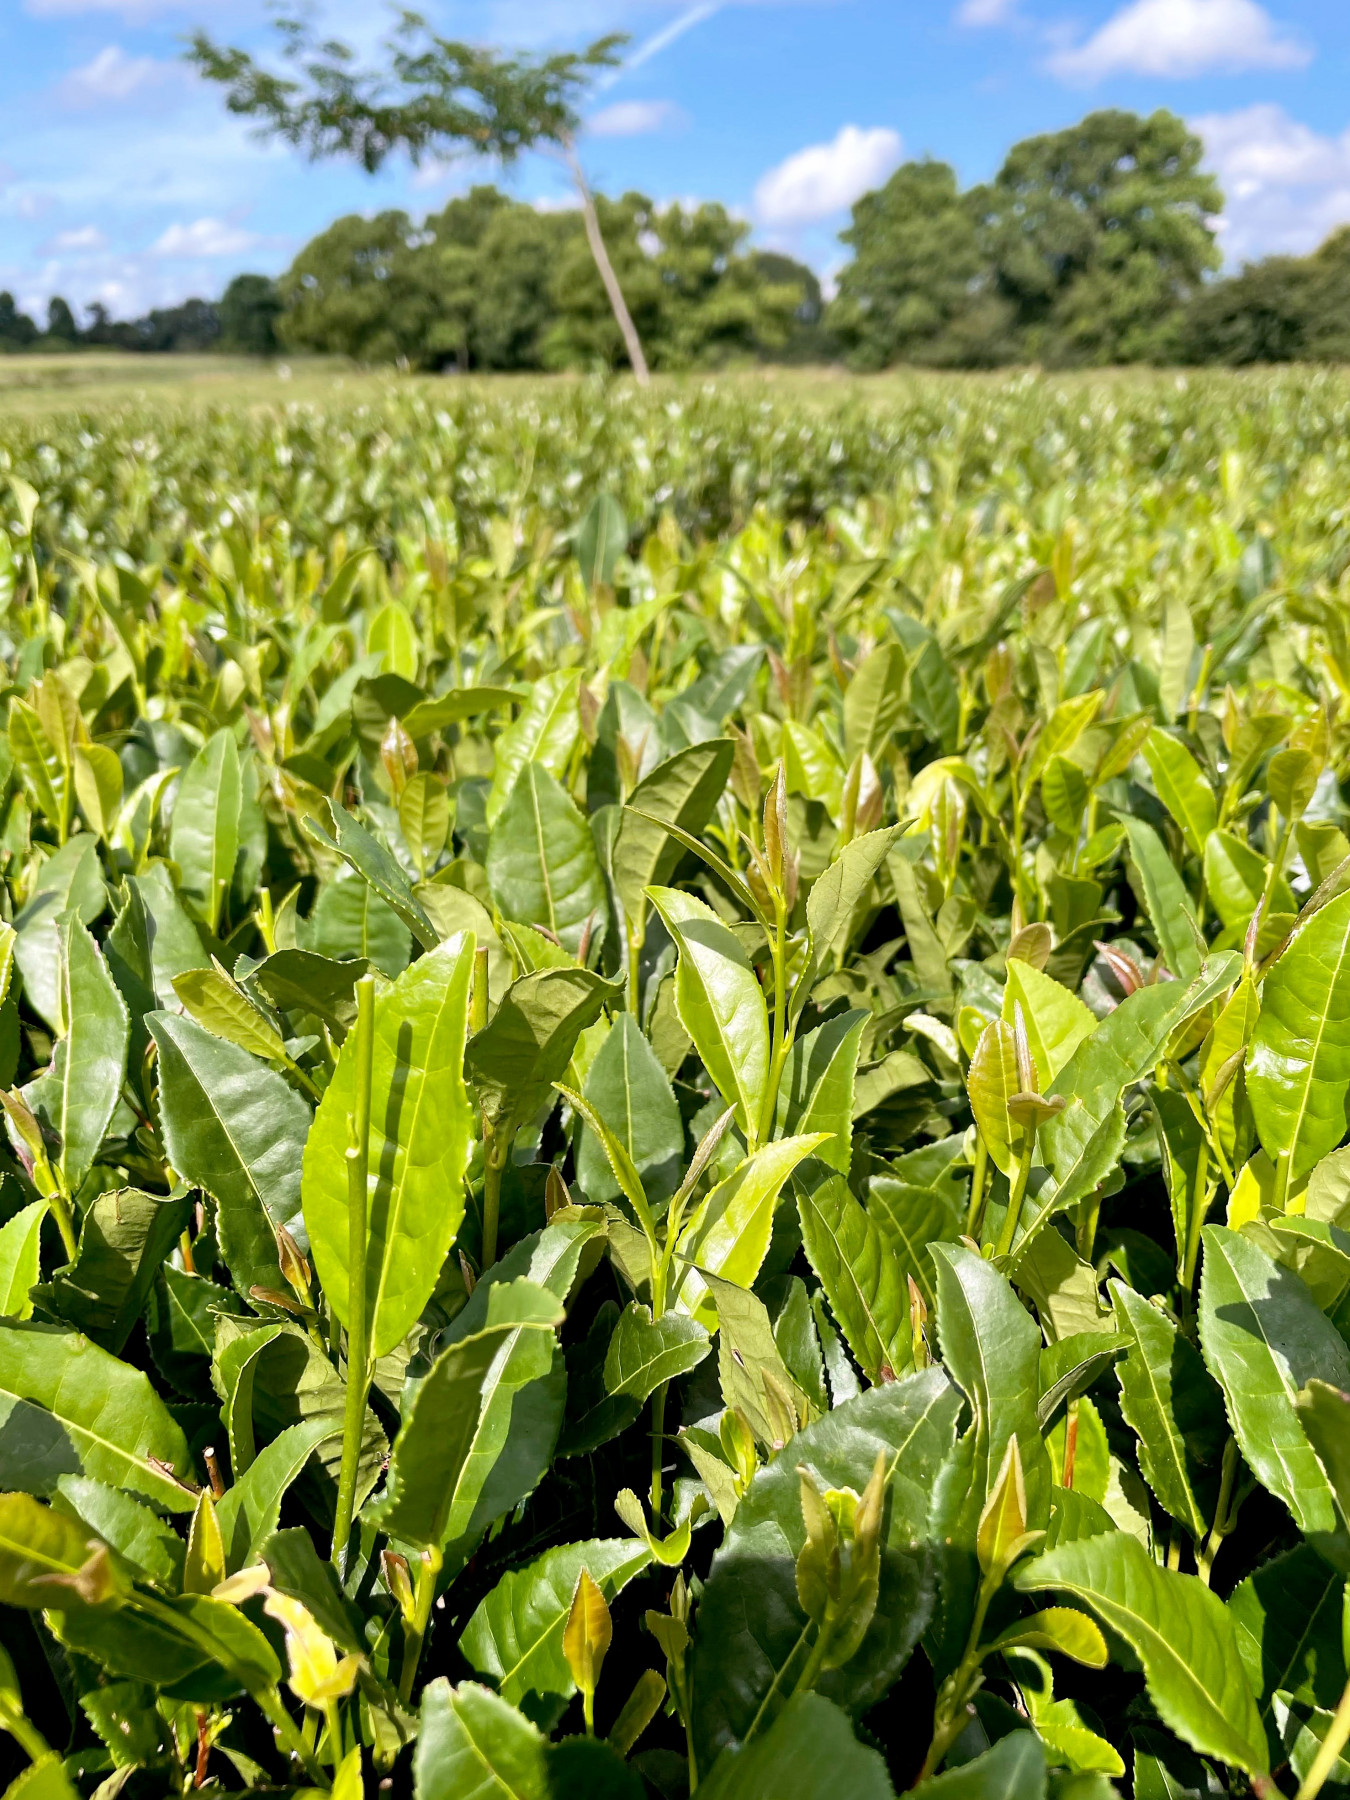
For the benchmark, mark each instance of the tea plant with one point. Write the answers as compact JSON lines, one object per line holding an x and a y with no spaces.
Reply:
{"x":642,"y":1164}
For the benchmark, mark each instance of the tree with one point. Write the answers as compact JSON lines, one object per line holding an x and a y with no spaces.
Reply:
{"x":1099,"y":236}
{"x":1281,"y":309}
{"x":917,"y":270}
{"x":697,"y":298}
{"x":437,"y":97}
{"x":17,"y":330}
{"x":249,"y":309}
{"x":61,"y":326}
{"x":360,"y":290}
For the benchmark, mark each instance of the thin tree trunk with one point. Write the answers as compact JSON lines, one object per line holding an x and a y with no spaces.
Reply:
{"x":594,"y":237}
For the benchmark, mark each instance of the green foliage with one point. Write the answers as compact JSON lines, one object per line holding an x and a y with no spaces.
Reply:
{"x":715,"y":1121}
{"x":1087,"y":247}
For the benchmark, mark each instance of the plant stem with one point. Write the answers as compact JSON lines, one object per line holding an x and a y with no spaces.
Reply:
{"x":1014,"y":1214}
{"x":269,"y":1703}
{"x":27,"y":1736}
{"x":658,"y":1449}
{"x":975,"y":1212}
{"x":64,"y":1215}
{"x":498,"y":1148}
{"x":815,"y":1661}
{"x":1089,"y":1212}
{"x":1222,"y":1525}
{"x":358,"y":1349}
{"x":1199,"y":1209}
{"x":266,"y":1699}
{"x":415,"y":1633}
{"x":782,"y":1039}
{"x":637,"y":931}
{"x":1329,"y":1750}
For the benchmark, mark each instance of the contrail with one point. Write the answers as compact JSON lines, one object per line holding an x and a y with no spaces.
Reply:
{"x":694,"y":15}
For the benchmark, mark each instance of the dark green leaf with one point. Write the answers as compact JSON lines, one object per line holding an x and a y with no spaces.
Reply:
{"x":528,"y":1043}
{"x":68,"y":1408}
{"x":124,"y":1237}
{"x":643,"y":1354}
{"x":541,"y":861}
{"x":752,"y":1637}
{"x":237,"y":1129}
{"x":808,"y":1753}
{"x":515,"y":1635}
{"x":1264,"y":1338}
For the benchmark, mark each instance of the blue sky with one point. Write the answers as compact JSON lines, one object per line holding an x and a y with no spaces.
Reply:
{"x":122,"y":178}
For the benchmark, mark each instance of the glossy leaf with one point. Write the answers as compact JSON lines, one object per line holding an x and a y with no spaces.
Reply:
{"x":1169,"y":1401}
{"x":69,"y":1408}
{"x":685,"y":789}
{"x":1056,"y":1020}
{"x":38,"y":1543}
{"x":729,"y":1233}
{"x":545,"y":733}
{"x":628,"y":1089}
{"x":808,"y":1753}
{"x":991,"y":1349}
{"x":1298,"y":1067}
{"x":1264,"y":1338}
{"x":237,"y":1129}
{"x":721,"y":1004}
{"x":515,"y":1635}
{"x":1182,"y":788}
{"x":420,"y":1127}
{"x":473,"y":1745}
{"x":204,"y":840}
{"x":515,"y":1059}
{"x":247,"y":1513}
{"x":94,"y":1059}
{"x":541,"y":861}
{"x":1180,"y":1632}
{"x":365,"y":854}
{"x":20,"y":1245}
{"x":816,"y":1092}
{"x":863,"y":1281}
{"x":1166,"y":901}
{"x":753,"y":1637}
{"x":124,"y":1237}
{"x":642,"y":1353}
{"x":439,"y":1438}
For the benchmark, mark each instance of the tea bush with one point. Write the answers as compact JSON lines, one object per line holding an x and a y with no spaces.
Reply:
{"x":674,"y":1075}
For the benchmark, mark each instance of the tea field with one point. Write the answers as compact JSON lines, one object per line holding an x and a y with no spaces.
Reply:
{"x":674,"y":1072}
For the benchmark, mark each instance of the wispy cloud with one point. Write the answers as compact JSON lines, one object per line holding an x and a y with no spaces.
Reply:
{"x":204,"y":237}
{"x":113,"y":76}
{"x":985,"y":12}
{"x":635,"y":118}
{"x":81,"y":239}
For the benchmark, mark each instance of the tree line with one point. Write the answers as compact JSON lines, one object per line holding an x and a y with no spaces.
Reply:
{"x":1094,"y":245}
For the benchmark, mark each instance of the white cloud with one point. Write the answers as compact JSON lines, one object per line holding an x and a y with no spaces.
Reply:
{"x":80,"y":238}
{"x":825,"y":178}
{"x":1180,"y":38}
{"x":203,"y":237}
{"x":1286,"y":186}
{"x":985,"y":12}
{"x":113,"y":76}
{"x":634,"y":118}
